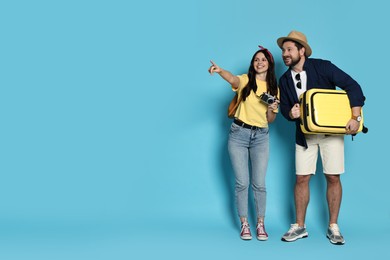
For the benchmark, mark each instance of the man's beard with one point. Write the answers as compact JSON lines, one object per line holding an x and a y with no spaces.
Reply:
{"x":295,"y":62}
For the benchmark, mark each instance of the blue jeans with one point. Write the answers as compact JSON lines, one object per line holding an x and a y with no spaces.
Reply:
{"x":244,"y":145}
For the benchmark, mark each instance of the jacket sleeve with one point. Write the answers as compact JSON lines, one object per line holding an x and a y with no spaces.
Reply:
{"x":285,"y":103}
{"x":347,"y":83}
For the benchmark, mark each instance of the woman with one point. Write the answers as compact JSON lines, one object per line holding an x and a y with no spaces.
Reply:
{"x":249,"y":135}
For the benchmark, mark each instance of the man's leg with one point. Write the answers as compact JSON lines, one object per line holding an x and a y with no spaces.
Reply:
{"x":302,"y":197}
{"x":301,"y":194}
{"x":332,"y":154}
{"x":333,"y":195}
{"x":305,"y":162}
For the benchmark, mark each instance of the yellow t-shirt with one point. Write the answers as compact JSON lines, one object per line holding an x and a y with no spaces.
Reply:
{"x":252,"y":111}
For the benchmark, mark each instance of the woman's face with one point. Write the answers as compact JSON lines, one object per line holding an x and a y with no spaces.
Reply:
{"x":260,"y":63}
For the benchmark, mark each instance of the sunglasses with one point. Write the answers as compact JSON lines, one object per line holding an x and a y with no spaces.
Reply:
{"x":298,"y":78}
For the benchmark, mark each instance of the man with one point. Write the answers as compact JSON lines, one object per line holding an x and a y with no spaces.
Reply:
{"x":305,"y":73}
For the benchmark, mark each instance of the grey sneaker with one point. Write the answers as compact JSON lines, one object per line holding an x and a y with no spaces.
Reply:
{"x":295,"y":232}
{"x":334,"y":235}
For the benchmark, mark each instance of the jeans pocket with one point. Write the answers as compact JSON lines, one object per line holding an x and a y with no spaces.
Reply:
{"x":264,"y":131}
{"x":234,"y":128}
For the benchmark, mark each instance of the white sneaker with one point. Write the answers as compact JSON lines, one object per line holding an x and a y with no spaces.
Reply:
{"x":334,"y":235}
{"x":295,"y":232}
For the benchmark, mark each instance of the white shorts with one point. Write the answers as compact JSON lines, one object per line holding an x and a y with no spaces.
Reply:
{"x":331,"y":149}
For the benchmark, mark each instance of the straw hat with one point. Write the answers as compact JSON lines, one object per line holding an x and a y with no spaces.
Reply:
{"x":296,"y":37}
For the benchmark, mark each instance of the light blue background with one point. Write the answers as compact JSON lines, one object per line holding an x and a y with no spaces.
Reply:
{"x":113,"y":135}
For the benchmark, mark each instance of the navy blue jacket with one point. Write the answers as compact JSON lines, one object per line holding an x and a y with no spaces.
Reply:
{"x":320,"y":74}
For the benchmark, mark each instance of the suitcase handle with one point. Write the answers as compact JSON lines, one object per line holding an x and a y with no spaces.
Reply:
{"x":307,"y":110}
{"x":364,"y":131}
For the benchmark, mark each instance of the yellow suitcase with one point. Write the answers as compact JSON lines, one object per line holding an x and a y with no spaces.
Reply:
{"x":325,"y":111}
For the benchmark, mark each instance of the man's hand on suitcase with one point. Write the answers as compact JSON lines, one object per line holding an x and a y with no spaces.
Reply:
{"x":352,"y":127}
{"x":295,"y":111}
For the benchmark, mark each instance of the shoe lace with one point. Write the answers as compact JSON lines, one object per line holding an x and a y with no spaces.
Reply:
{"x":245,"y":227}
{"x":260,"y":228}
{"x":335,"y":229}
{"x":293,"y":227}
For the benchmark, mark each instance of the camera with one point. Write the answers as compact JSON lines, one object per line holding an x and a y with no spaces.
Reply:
{"x":267,"y":98}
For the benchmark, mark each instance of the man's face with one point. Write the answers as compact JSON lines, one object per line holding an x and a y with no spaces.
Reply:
{"x":290,"y":54}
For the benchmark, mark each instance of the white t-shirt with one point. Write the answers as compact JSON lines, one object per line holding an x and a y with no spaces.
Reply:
{"x":303,"y":82}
